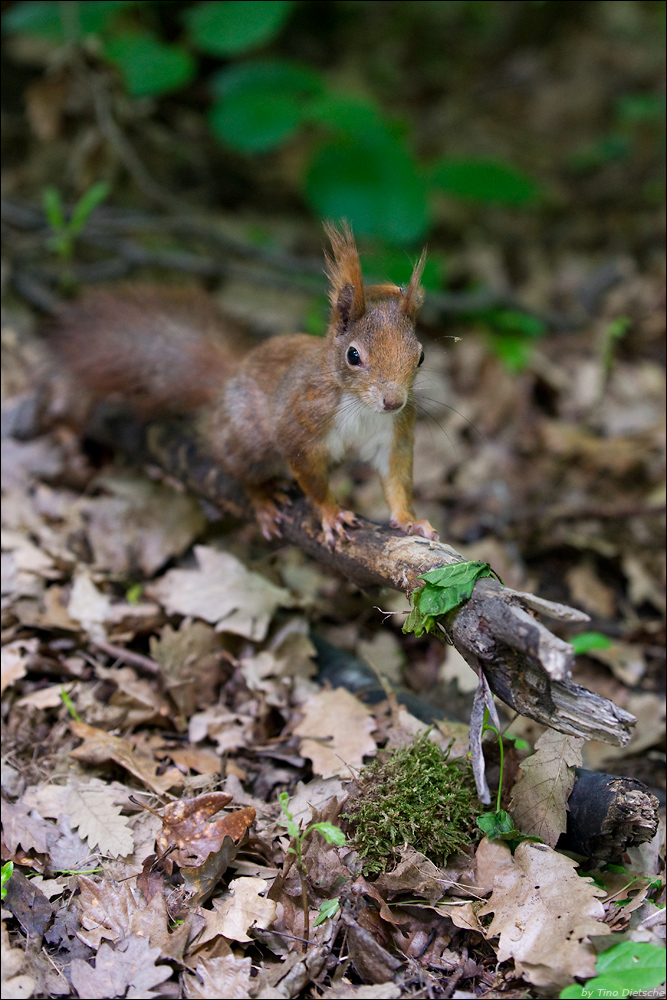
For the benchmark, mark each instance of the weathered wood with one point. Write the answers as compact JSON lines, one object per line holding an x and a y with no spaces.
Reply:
{"x":608,"y":814}
{"x":527,"y":666}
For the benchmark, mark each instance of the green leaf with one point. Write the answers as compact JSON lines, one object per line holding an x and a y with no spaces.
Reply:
{"x":7,"y":870}
{"x":235,"y":26}
{"x":53,"y":209}
{"x":260,"y":103}
{"x":586,"y":641}
{"x":283,"y":799}
{"x":640,"y":966}
{"x":497,"y":825}
{"x":634,"y":108}
{"x":445,"y":589}
{"x":372,"y":181}
{"x":348,"y":115}
{"x":331,"y":833}
{"x":625,"y":969}
{"x":487,"y":181}
{"x":265,"y":75}
{"x":86,"y":205}
{"x":43,"y":19}
{"x":148,"y":65}
{"x":328,"y":908}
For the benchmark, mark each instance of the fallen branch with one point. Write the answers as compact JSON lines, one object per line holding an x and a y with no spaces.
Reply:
{"x":526,"y":666}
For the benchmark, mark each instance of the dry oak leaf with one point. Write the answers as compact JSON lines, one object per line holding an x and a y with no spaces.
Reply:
{"x":341,"y":720}
{"x":14,"y":658}
{"x":543,"y":914}
{"x":22,"y":825}
{"x":222,"y":591}
{"x":186,"y":827}
{"x":139,"y":523}
{"x":539,"y":797}
{"x":236,"y":914}
{"x":100,"y":746}
{"x":128,"y":971}
{"x":91,"y":808}
{"x":118,"y":910}
{"x":220,"y":977}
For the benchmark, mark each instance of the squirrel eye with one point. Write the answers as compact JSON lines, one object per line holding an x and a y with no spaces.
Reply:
{"x":421,"y":359}
{"x":353,"y":356}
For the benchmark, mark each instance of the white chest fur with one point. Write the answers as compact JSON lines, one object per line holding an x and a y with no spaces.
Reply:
{"x":358,"y":429}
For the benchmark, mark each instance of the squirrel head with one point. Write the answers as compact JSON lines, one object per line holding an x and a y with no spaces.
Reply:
{"x":372,"y":344}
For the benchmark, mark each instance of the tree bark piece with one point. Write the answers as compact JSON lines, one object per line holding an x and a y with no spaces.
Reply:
{"x":526,"y":666}
{"x":607,"y":815}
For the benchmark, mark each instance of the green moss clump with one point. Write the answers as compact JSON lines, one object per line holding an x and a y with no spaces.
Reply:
{"x":414,"y":796}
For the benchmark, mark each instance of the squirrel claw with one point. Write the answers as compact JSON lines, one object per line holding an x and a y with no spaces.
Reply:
{"x":268,"y":517}
{"x":409,"y":527}
{"x":335,"y":526}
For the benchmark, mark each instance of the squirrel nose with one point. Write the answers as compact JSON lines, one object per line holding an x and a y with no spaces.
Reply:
{"x":393,"y":400}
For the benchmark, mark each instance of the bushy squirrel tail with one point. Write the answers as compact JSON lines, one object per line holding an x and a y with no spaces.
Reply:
{"x":159,"y":350}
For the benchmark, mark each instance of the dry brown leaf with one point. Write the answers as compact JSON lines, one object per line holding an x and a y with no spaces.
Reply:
{"x":222,"y":591}
{"x":335,"y":732}
{"x":227,"y":977}
{"x":129,"y":967}
{"x":91,"y":808}
{"x":15,"y":657}
{"x":141,"y":524}
{"x":649,"y":710}
{"x":141,"y":700}
{"x":189,"y":659}
{"x":543,"y":914}
{"x":539,"y":797}
{"x":116,"y":911}
{"x":236,"y":914}
{"x":189,"y":834}
{"x":99,"y":747}
{"x":20,"y":827}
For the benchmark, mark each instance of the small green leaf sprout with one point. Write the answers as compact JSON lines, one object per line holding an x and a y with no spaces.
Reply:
{"x":332,"y":835}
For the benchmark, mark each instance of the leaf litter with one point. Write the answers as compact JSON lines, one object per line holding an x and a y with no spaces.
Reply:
{"x":202,"y":694}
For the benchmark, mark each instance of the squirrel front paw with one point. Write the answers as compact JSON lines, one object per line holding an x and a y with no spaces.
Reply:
{"x":410,"y":527}
{"x":335,"y":524}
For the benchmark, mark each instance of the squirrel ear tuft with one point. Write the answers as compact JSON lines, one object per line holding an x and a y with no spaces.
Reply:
{"x":414,"y":294}
{"x":346,"y":286}
{"x":343,"y":308}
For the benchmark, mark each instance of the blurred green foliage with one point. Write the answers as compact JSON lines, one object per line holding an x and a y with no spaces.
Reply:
{"x":359,"y":162}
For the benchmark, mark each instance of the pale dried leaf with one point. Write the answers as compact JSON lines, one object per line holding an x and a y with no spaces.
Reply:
{"x":335,"y":732}
{"x":227,"y":977}
{"x":22,"y":825}
{"x":544,"y":914}
{"x":130,"y":967}
{"x":15,"y":657}
{"x":222,"y":591}
{"x":141,"y":525}
{"x":539,"y":798}
{"x":89,"y":606}
{"x":14,"y":985}
{"x":92,"y":811}
{"x":239,"y":912}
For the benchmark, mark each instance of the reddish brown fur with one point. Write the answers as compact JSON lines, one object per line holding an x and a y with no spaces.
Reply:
{"x":274,"y":409}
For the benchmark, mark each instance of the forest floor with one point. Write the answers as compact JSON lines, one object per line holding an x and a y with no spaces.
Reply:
{"x":155,"y":652}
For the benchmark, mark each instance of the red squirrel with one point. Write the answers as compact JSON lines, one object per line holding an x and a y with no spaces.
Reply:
{"x":293,"y":403}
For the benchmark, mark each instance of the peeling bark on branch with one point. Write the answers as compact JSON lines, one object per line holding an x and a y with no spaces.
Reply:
{"x":526,"y":666}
